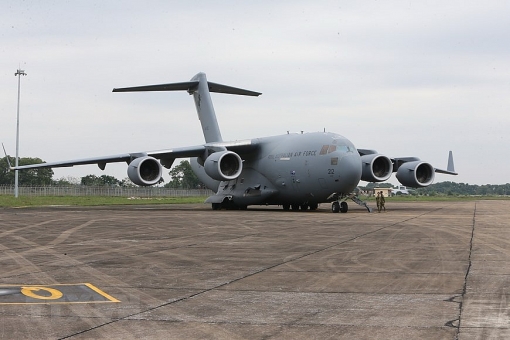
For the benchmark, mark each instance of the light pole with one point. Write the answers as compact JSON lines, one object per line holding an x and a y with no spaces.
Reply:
{"x":18,"y":73}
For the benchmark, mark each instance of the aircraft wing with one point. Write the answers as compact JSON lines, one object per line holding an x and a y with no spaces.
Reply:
{"x":167,"y":156}
{"x":450,"y":167}
{"x":239,"y":146}
{"x":446,"y":172}
{"x":82,"y":161}
{"x":398,"y":161}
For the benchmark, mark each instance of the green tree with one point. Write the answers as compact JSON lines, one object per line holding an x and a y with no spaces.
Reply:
{"x":103,"y":180}
{"x":182,"y":176}
{"x":372,"y":185}
{"x":66,"y":181}
{"x":126,"y":182}
{"x":41,"y":176}
{"x":454,"y":189}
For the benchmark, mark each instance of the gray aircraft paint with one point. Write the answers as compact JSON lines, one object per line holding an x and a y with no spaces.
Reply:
{"x":205,"y":110}
{"x":291,"y":169}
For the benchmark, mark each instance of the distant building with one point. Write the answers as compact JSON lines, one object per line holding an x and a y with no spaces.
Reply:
{"x":386,"y":191}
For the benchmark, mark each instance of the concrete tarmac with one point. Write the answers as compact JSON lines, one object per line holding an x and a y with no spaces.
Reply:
{"x":437,"y":270}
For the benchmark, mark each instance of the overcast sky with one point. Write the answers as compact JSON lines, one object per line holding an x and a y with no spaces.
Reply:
{"x":407,"y":78}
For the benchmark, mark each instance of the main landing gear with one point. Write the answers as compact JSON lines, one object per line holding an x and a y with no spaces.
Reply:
{"x":341,"y":206}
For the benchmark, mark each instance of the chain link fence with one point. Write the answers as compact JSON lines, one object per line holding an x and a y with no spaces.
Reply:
{"x":82,"y":190}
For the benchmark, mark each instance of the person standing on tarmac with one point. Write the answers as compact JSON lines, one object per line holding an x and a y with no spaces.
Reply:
{"x":378,"y":201}
{"x":381,"y":201}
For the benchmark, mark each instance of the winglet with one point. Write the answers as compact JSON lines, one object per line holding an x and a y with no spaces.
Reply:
{"x":450,"y":169}
{"x":7,"y":157}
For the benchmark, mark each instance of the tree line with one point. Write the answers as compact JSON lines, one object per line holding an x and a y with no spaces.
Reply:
{"x":453,"y":189}
{"x":32,"y":177}
{"x":464,"y":189}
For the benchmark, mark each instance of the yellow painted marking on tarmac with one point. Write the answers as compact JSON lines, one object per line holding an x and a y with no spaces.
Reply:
{"x":53,"y":294}
{"x":32,"y":292}
{"x":100,"y":292}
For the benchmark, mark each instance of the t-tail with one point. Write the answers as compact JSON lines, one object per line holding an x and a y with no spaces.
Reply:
{"x":200,"y":88}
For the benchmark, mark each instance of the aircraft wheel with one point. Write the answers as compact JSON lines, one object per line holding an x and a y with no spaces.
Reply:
{"x":344,"y":207}
{"x":286,"y":207}
{"x":304,"y":207}
{"x":314,"y":206}
{"x":216,"y":206}
{"x":295,"y":207}
{"x":335,"y":207}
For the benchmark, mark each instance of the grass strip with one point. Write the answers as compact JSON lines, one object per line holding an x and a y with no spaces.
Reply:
{"x":35,"y":201}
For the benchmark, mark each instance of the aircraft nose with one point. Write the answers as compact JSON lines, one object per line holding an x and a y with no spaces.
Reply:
{"x":349,"y":172}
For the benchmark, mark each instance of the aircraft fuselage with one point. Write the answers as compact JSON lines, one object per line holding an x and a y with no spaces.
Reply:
{"x":291,"y":169}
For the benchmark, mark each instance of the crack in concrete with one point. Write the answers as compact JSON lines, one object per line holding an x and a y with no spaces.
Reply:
{"x":464,"y":289}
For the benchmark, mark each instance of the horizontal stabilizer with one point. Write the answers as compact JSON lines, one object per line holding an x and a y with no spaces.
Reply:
{"x":189,"y":86}
{"x":185,"y":86}
{"x":219,"y":88}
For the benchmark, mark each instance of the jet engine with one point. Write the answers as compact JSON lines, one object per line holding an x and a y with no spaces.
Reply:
{"x":375,"y":168}
{"x":145,"y":171}
{"x":416,"y":174}
{"x":223,"y":165}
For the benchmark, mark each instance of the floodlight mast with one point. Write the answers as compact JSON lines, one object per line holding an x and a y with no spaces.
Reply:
{"x":18,"y":73}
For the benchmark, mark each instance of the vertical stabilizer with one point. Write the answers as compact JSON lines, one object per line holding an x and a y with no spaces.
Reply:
{"x":205,"y":110}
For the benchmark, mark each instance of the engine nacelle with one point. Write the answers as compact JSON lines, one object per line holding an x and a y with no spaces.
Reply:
{"x":145,"y":171}
{"x":223,"y":165}
{"x":416,"y":174}
{"x":375,"y":168}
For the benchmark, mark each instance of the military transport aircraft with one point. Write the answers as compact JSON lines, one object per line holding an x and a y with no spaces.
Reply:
{"x":296,"y":171}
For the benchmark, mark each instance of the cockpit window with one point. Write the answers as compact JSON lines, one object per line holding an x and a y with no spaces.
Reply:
{"x":342,"y":147}
{"x":324,"y":150}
